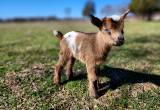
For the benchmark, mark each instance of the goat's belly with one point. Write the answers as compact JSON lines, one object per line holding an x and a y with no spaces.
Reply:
{"x":81,"y":57}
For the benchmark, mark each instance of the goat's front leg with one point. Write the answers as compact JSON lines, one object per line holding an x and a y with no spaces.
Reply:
{"x":93,"y":80}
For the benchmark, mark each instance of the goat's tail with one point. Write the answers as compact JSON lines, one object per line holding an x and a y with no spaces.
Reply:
{"x":58,"y":34}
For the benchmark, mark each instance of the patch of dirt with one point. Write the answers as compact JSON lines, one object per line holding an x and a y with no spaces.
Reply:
{"x":12,"y":84}
{"x":38,"y":69}
{"x":142,"y":87}
{"x":35,"y":69}
{"x":38,"y":66}
{"x":116,"y":93}
{"x":24,"y":73}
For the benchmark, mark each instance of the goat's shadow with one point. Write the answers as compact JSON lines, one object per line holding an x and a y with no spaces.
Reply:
{"x":119,"y":77}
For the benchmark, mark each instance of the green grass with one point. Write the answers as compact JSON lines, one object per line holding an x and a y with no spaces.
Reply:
{"x":28,"y":52}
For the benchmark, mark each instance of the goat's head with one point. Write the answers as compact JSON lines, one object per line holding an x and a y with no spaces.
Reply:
{"x":111,"y":28}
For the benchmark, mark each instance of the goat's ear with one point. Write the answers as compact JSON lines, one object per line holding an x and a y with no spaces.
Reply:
{"x":123,"y":16}
{"x":96,"y":21}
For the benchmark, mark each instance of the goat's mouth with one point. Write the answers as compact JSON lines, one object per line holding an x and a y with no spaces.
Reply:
{"x":119,"y":43}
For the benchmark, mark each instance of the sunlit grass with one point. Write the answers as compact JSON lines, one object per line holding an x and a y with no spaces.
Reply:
{"x":28,"y":52}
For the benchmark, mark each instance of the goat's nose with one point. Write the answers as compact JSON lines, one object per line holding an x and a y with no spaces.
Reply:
{"x":120,"y":38}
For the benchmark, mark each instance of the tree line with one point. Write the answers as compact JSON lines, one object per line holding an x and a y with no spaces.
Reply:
{"x":143,"y":8}
{"x":31,"y":19}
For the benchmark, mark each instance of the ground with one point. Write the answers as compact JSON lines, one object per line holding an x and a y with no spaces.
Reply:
{"x":130,"y":77}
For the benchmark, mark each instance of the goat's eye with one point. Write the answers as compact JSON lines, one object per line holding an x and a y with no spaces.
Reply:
{"x":108,"y":31}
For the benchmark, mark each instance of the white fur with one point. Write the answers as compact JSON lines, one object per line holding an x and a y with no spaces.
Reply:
{"x":55,"y":32}
{"x":115,"y":17}
{"x":70,"y":37}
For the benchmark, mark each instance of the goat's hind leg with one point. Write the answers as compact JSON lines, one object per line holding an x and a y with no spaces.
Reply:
{"x":69,"y":68}
{"x":58,"y":68}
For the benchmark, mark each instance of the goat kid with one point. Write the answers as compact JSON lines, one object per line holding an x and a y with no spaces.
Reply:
{"x":90,"y":48}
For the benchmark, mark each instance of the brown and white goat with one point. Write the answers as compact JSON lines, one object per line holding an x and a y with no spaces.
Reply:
{"x":90,"y":48}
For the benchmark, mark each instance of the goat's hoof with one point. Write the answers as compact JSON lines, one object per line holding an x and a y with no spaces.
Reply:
{"x":94,"y":95}
{"x":56,"y":82}
{"x":69,"y":76}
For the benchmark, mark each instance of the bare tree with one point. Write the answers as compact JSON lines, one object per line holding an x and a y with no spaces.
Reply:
{"x":89,"y":8}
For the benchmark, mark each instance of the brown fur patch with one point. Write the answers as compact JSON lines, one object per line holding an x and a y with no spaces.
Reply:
{"x":109,"y":23}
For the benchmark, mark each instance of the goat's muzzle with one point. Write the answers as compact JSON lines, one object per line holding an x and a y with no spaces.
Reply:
{"x":120,"y":42}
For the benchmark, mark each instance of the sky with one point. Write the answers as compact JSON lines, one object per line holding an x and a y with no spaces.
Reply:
{"x":34,"y":8}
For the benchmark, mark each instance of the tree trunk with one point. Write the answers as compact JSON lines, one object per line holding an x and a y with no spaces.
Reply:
{"x":149,"y":17}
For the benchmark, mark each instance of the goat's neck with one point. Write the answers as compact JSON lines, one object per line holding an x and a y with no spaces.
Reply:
{"x":102,"y":45}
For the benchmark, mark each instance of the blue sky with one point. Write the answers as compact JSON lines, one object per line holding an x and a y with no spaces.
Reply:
{"x":28,"y":8}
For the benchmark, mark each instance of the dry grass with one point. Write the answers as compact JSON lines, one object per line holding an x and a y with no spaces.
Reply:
{"x":28,"y":52}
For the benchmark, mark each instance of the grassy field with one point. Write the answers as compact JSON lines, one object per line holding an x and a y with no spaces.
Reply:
{"x":130,"y":78}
